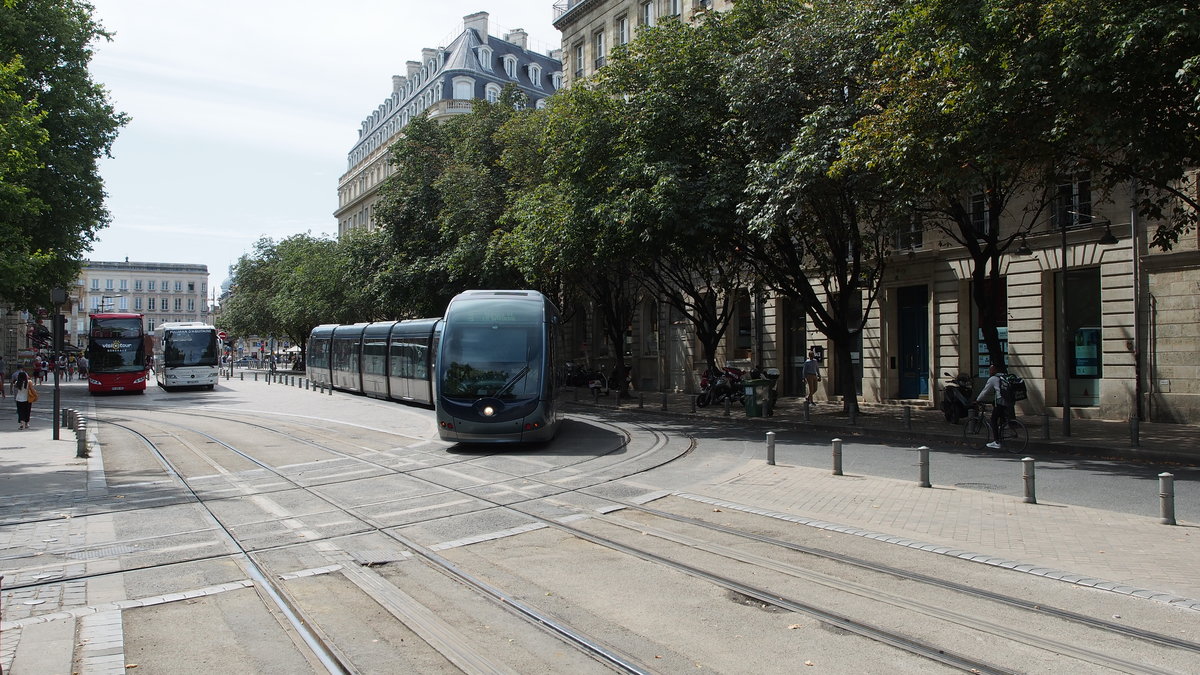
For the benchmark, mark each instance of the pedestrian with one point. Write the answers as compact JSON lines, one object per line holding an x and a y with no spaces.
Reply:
{"x":3,"y":378}
{"x":83,"y":367}
{"x":1000,"y":408}
{"x":24,"y":393}
{"x":812,"y":374}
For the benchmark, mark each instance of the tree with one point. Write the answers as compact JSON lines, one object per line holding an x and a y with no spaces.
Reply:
{"x":962,"y":121}
{"x":1126,"y":98}
{"x":65,"y":123}
{"x":817,"y":235}
{"x":443,"y":206}
{"x":682,"y":172}
{"x":286,"y":288}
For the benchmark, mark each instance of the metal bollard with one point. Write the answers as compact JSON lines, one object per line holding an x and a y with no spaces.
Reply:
{"x":1045,"y":426}
{"x":728,"y":405}
{"x":1134,"y":432}
{"x":853,"y":415}
{"x":771,"y":448}
{"x":693,"y":399}
{"x":1030,"y":481}
{"x":1166,"y":497}
{"x":924,"y":453}
{"x":242,"y":377}
{"x":908,"y":417}
{"x":807,"y":411}
{"x":595,"y":395}
{"x":642,"y":401}
{"x":256,"y":377}
{"x":837,"y":457}
{"x":664,"y":401}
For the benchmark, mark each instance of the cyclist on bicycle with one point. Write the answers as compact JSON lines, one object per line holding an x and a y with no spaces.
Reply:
{"x":1000,"y":411}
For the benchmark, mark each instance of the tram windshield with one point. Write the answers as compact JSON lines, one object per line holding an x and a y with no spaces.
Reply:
{"x":492,"y":351}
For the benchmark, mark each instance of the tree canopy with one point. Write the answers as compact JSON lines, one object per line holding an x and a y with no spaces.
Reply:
{"x":55,"y":124}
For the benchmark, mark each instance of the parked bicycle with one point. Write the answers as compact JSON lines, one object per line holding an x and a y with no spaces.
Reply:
{"x":1013,"y":434}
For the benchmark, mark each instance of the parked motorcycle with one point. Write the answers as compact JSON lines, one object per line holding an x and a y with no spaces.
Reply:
{"x":718,"y":385}
{"x":956,"y":397}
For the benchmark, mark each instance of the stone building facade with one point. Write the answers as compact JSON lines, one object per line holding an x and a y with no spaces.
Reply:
{"x":161,"y":291}
{"x":444,"y":82}
{"x":592,"y":28}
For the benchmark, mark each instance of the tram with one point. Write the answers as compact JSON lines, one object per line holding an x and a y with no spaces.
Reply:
{"x":491,"y":368}
{"x":384,"y":359}
{"x":117,"y":353}
{"x":186,"y":355}
{"x":499,"y":372}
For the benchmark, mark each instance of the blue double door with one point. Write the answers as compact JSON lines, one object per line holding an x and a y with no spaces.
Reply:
{"x":913,"y":357}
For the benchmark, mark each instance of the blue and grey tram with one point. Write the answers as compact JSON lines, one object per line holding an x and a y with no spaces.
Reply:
{"x":384,"y":359}
{"x":498,"y":369}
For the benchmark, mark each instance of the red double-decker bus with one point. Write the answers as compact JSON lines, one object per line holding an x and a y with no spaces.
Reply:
{"x":118,"y":357}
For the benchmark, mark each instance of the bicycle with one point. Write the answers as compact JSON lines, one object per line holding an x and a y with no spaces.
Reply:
{"x":1013,"y":434}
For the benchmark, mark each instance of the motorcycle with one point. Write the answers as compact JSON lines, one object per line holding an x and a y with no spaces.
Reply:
{"x":718,"y":385}
{"x":956,"y":397}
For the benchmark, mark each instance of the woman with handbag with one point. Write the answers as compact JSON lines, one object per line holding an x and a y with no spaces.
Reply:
{"x":25,"y":395}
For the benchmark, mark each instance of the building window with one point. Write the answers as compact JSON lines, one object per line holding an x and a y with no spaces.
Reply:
{"x":178,"y":286}
{"x":485,"y":57}
{"x":178,"y":304}
{"x":556,"y":81}
{"x":191,"y":304}
{"x":910,"y":234}
{"x":150,"y":285}
{"x":137,"y":304}
{"x":510,"y":66}
{"x":124,"y":284}
{"x":493,"y":93}
{"x":622,"y":29}
{"x":191,"y":287}
{"x":123,"y":303}
{"x":980,"y":222}
{"x":673,"y":8}
{"x":166,"y":302}
{"x":646,"y":14}
{"x":95,"y":284}
{"x":150,"y":304}
{"x":108,"y":284}
{"x":1073,"y":201}
{"x":464,"y":88}
{"x":598,"y":49}
{"x":535,"y":75}
{"x":166,"y":286}
{"x":95,"y":302}
{"x":137,"y":284}
{"x":578,"y":60}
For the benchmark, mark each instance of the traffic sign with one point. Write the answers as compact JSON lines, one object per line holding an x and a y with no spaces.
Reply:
{"x":222,"y":335}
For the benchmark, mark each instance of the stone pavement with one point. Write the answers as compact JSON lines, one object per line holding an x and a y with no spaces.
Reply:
{"x":925,"y":425}
{"x":44,"y":486}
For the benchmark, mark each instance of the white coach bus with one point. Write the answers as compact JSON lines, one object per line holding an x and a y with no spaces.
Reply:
{"x":186,"y":354}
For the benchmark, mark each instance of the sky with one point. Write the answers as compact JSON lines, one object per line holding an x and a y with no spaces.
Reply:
{"x":242,"y":112}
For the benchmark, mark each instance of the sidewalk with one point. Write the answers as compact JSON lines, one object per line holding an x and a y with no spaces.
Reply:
{"x":1101,"y":438}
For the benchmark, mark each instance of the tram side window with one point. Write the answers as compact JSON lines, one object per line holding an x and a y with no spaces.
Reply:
{"x":318,"y":354}
{"x":345,"y":355}
{"x":409,"y":358}
{"x":374,"y":356}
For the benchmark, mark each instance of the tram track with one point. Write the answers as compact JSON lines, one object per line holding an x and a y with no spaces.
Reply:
{"x":763,"y":594}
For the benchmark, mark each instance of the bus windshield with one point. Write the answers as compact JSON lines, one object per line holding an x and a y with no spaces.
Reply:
{"x":116,"y":356}
{"x":190,"y":347}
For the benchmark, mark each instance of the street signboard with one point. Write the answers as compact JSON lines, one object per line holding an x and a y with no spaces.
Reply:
{"x":222,"y":335}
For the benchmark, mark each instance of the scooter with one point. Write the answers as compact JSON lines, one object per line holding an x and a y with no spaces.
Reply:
{"x":956,"y":397}
{"x":718,"y":385}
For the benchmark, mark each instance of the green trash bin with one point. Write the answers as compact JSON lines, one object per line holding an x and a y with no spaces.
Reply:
{"x":758,"y":393}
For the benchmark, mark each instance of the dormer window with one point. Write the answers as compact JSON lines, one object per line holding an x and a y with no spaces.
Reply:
{"x":556,"y":80}
{"x":510,"y":65}
{"x":535,"y":75}
{"x":485,"y":57}
{"x":493,"y":93}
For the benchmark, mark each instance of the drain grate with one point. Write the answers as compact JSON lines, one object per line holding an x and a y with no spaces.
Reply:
{"x":92,"y":554}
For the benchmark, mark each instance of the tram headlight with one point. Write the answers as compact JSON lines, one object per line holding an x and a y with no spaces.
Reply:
{"x":488,"y":411}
